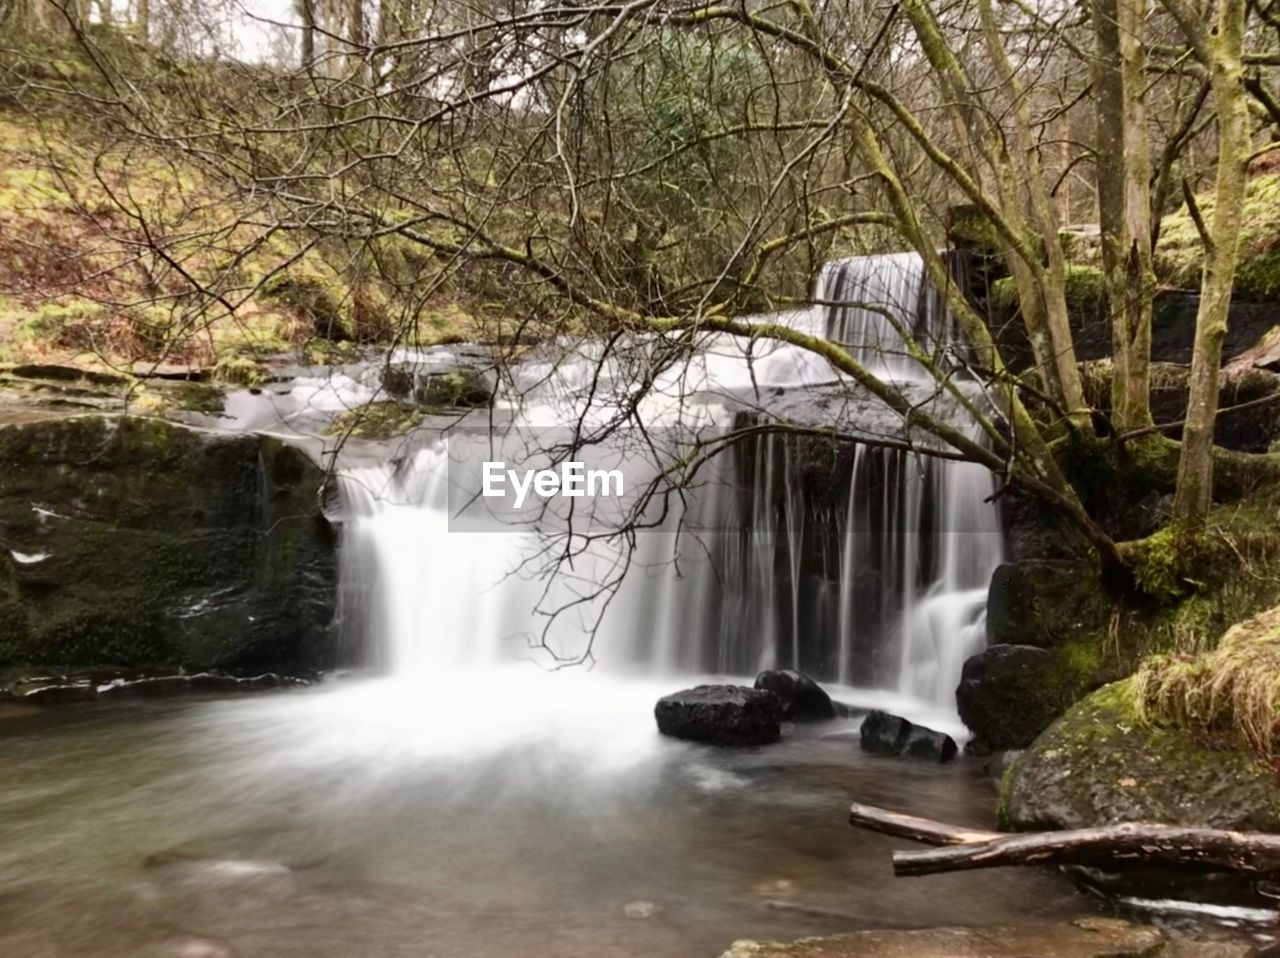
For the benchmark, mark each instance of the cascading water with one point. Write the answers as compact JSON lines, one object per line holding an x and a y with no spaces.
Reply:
{"x":860,"y":564}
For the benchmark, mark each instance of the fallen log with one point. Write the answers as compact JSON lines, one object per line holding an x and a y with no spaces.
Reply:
{"x":917,"y":829}
{"x":1254,"y":854}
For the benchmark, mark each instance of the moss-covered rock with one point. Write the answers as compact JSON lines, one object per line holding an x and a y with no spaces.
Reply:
{"x":377,"y":420}
{"x":1009,"y":694}
{"x":458,"y":389}
{"x":1179,"y":256}
{"x":1101,"y":764}
{"x":137,"y":542}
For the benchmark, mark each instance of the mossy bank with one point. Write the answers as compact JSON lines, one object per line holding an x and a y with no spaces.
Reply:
{"x":138,"y":542}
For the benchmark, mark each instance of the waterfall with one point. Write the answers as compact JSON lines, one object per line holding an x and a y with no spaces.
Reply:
{"x":859,"y":563}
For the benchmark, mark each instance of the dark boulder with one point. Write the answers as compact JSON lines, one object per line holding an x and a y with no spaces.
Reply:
{"x":885,"y":734}
{"x":1001,"y":695}
{"x":140,"y":543}
{"x":803,"y":700}
{"x":721,"y":715}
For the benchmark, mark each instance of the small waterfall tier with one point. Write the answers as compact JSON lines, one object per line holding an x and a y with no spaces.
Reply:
{"x":861,"y":561}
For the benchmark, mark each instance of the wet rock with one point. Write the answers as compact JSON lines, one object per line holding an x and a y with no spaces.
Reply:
{"x":721,"y":715}
{"x":162,"y":546}
{"x":1001,"y":696}
{"x":803,"y":700}
{"x":1001,"y":762}
{"x":885,"y":734}
{"x":55,"y":693}
{"x":87,"y":685}
{"x":1093,"y":938}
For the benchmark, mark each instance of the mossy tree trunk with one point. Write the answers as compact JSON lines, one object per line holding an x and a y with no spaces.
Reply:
{"x":1221,"y":52}
{"x":1124,"y":202}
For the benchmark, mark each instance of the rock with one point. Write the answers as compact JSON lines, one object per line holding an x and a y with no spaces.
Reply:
{"x":162,"y":546}
{"x":1090,"y":938}
{"x":1000,"y":763}
{"x":885,"y":734}
{"x":721,"y":715}
{"x":55,"y":693}
{"x":1099,"y":764}
{"x":458,"y":389}
{"x":1001,"y":696}
{"x":1044,"y":603}
{"x":68,"y":374}
{"x":803,"y":700}
{"x":639,"y":909}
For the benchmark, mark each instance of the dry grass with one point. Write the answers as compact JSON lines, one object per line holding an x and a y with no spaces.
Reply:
{"x":1234,"y":689}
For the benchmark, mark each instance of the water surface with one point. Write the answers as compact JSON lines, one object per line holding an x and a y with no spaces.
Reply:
{"x":513,"y":814}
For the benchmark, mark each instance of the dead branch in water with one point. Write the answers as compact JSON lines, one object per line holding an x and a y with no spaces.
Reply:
{"x":1248,"y":853}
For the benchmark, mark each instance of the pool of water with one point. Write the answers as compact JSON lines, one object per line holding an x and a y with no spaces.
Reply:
{"x":496,"y":814}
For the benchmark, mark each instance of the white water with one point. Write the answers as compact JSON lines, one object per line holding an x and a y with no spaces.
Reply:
{"x":885,"y":590}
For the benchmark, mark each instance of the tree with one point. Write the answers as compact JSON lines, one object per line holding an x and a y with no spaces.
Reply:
{"x":655,"y":172}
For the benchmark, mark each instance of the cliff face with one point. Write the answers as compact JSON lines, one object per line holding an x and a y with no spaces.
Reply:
{"x":137,"y":542}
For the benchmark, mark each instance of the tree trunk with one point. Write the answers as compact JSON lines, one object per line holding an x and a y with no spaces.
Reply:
{"x":1195,"y":465}
{"x":307,"y":11}
{"x":355,"y":35}
{"x":1123,"y":174}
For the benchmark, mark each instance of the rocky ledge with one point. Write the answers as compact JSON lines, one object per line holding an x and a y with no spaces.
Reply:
{"x":133,"y":542}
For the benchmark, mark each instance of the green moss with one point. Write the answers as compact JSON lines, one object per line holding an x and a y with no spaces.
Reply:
{"x":459,"y":389}
{"x":312,"y":297}
{"x":1258,"y":277}
{"x":1083,"y":289}
{"x":1179,"y":256}
{"x":377,"y":420}
{"x":1003,"y":294}
{"x":240,"y":371}
{"x":1102,"y":763}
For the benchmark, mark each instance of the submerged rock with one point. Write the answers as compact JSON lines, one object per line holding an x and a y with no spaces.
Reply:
{"x":141,"y":543}
{"x":885,"y":734}
{"x":1087,"y":938}
{"x":721,"y":715}
{"x":1002,"y":695}
{"x":803,"y":699}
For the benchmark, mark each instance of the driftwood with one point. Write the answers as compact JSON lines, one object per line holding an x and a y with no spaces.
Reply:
{"x":1254,"y":854}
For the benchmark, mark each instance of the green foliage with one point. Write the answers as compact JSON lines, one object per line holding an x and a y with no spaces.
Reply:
{"x":686,"y":86}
